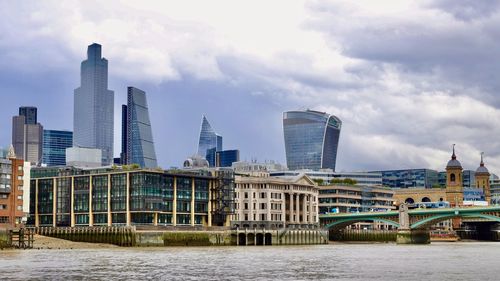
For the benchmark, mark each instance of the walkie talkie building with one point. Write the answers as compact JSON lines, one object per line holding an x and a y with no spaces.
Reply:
{"x":311,"y":139}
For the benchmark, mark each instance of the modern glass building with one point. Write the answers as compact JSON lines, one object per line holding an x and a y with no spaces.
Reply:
{"x":361,"y":178}
{"x":209,"y":140}
{"x":410,"y":178}
{"x":106,"y":197}
{"x":137,"y":135}
{"x":226,"y":158}
{"x":54,"y":147}
{"x":311,"y":139}
{"x":94,"y":106}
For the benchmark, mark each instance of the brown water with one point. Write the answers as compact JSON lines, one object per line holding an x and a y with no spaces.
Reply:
{"x":438,"y":261}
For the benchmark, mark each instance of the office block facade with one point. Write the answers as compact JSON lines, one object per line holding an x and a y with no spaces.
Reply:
{"x":106,"y":197}
{"x":311,"y":139}
{"x":226,"y":158}
{"x":11,"y":190}
{"x":94,"y":106}
{"x":54,"y":146}
{"x":136,"y":132}
{"x":27,"y":136}
{"x":410,"y":178}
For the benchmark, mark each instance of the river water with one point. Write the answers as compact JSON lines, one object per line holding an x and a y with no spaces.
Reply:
{"x":438,"y":261}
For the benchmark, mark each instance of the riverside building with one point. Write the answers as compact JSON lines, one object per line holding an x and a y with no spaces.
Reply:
{"x":11,"y":190}
{"x":273,"y":202}
{"x":68,"y":196}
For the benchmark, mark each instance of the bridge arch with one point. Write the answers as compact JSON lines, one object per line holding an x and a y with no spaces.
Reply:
{"x":439,"y":218}
{"x":337,"y":225}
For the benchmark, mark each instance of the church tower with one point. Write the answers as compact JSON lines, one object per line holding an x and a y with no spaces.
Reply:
{"x":483,"y":180}
{"x":454,"y":187}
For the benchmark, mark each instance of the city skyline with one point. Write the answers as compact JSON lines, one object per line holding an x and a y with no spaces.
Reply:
{"x":402,"y":106}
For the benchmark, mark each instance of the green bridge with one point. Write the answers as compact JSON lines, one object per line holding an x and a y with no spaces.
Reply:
{"x":413,"y":224}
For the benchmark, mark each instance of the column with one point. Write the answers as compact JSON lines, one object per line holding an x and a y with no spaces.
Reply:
{"x":297,"y":208}
{"x":72,"y":211}
{"x":192,"y":201}
{"x":91,"y":215}
{"x":54,"y":201}
{"x":283,"y":208}
{"x":174,"y":204}
{"x":291,"y":213}
{"x":128,"y":200}
{"x":209,"y":216}
{"x":110,"y":217}
{"x":311,"y":210}
{"x":268,"y":205}
{"x":37,"y":219}
{"x":304,"y":208}
{"x":250,"y":204}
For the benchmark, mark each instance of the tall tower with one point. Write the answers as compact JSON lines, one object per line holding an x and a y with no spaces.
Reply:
{"x":209,"y":142}
{"x":311,"y":139}
{"x":483,"y":180}
{"x":94,"y":106}
{"x":137,"y":132}
{"x":454,"y":188}
{"x":27,"y":135}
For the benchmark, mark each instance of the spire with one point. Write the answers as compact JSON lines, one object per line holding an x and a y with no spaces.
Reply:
{"x":453,"y":156}
{"x":482,"y":163}
{"x":12,"y":153}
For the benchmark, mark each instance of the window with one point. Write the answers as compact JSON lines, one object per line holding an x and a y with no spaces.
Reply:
{"x":19,"y":168}
{"x":3,"y":196}
{"x":20,"y":208}
{"x":19,"y":197}
{"x":20,"y":178}
{"x":20,"y":188}
{"x":3,"y":207}
{"x":246,"y":206}
{"x":246,"y":194}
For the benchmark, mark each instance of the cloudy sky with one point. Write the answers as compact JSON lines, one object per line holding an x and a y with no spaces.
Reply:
{"x":407,"y":78}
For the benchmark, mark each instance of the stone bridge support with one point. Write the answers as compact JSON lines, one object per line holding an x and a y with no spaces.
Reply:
{"x":405,"y":234}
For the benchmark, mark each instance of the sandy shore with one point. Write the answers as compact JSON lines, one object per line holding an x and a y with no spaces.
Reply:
{"x":44,"y":242}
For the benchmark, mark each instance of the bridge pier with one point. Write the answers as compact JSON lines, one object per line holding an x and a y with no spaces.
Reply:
{"x":413,"y":236}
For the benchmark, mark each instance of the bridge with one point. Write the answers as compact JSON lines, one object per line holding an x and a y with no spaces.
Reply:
{"x":413,"y":224}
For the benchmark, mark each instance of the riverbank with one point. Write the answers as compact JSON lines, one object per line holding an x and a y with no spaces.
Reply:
{"x":44,"y":242}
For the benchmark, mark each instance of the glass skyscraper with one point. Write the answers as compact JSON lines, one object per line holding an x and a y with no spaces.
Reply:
{"x":94,"y":106}
{"x":54,"y":147}
{"x":209,"y":143}
{"x":137,"y":136}
{"x":311,"y":139}
{"x":226,"y":158}
{"x":29,"y":113}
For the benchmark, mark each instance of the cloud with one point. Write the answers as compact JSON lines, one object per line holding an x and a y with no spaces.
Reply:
{"x":408,"y":78}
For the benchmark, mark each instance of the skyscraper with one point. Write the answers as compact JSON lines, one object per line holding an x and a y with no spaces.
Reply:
{"x":311,"y":139}
{"x":27,"y":135}
{"x":54,"y":147}
{"x":94,"y":106}
{"x":209,"y":140}
{"x":137,"y":136}
{"x":226,"y":158}
{"x":30,"y":113}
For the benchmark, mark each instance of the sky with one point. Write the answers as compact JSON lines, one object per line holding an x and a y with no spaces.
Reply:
{"x":407,"y":78}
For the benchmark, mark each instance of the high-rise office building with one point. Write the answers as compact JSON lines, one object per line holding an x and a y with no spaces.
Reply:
{"x":30,"y":113}
{"x":54,"y":147}
{"x":311,"y":139}
{"x":27,"y":136}
{"x":209,"y":143}
{"x":137,"y":136}
{"x":226,"y":158}
{"x":94,"y":106}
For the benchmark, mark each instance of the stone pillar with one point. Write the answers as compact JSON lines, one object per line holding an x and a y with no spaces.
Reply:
{"x":291,"y":213}
{"x":311,"y":211}
{"x":91,"y":215}
{"x":297,"y":209}
{"x":110,"y":217}
{"x":54,"y":200}
{"x":128,"y":200}
{"x":192,"y":201}
{"x":174,"y":204}
{"x":37,"y":219}
{"x":209,"y":215}
{"x":413,"y":236}
{"x":268,"y":204}
{"x":304,"y":209}
{"x":72,"y":211}
{"x":283,"y":209}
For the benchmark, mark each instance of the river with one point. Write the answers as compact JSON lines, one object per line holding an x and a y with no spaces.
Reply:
{"x":438,"y":261}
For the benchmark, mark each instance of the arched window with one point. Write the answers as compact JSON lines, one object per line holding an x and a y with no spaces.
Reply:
{"x":409,"y":201}
{"x":452,"y":178}
{"x":426,"y":199}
